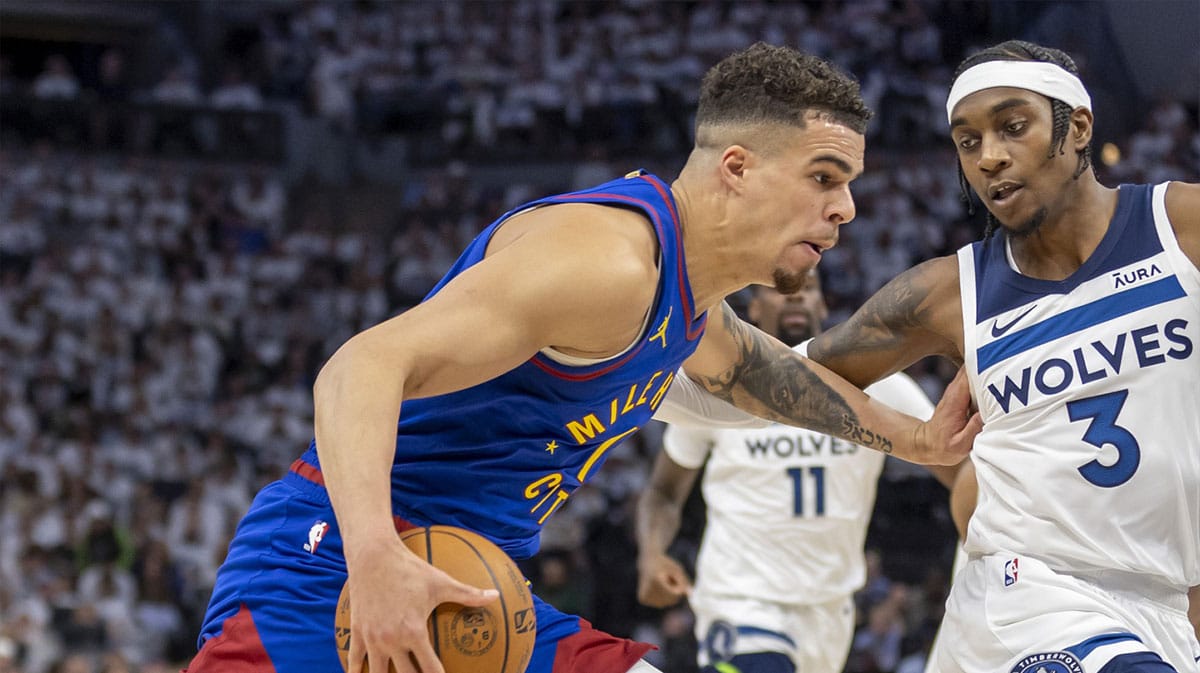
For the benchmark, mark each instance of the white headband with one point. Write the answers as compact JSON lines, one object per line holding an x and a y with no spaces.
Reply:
{"x":1037,"y":76}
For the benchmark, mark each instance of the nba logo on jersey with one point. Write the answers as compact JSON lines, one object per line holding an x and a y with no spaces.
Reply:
{"x":315,"y":534}
{"x":1049,"y":662}
{"x":1010,"y":572}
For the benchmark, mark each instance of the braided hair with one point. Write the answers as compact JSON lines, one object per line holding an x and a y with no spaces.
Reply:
{"x":1019,"y":50}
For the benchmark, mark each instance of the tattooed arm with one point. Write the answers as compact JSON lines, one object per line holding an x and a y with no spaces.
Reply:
{"x":754,"y":371}
{"x":915,"y":315}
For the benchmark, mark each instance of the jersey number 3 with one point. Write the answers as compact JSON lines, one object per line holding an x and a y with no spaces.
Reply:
{"x":1103,"y":410}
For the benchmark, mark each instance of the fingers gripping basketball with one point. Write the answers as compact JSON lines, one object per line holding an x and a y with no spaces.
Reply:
{"x":495,"y":638}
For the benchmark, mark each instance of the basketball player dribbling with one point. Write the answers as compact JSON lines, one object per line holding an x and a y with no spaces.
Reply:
{"x":555,"y":336}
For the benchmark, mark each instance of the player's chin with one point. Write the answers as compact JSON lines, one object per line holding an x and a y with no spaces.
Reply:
{"x":788,"y":281}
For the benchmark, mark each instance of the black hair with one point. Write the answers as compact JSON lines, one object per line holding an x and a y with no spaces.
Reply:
{"x":767,"y":83}
{"x":1019,"y":50}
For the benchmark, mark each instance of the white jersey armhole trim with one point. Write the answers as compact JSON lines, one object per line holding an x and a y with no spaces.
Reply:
{"x":1189,"y":274}
{"x":966,"y":291}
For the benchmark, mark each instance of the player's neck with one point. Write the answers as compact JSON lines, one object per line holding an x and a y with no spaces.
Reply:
{"x":1073,"y":228}
{"x":718,"y":261}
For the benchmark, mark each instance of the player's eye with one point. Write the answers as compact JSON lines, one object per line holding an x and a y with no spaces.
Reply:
{"x":967,"y":142}
{"x":1016,"y":126}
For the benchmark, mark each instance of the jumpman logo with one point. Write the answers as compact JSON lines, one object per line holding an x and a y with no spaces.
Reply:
{"x":661,"y":332}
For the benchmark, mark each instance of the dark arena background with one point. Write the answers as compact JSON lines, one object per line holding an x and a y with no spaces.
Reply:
{"x":200,"y":200}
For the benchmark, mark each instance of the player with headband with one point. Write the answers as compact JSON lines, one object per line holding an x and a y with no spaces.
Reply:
{"x":1078,"y":320}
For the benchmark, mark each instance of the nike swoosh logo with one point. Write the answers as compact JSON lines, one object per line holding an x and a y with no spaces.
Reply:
{"x":997,"y":330}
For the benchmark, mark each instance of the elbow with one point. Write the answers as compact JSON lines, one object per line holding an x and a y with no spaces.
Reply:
{"x":334,"y":376}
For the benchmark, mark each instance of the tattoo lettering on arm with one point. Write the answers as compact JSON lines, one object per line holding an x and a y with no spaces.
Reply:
{"x":768,"y":379}
{"x":864,"y":437}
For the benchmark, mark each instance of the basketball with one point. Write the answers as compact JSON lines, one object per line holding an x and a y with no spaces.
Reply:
{"x":496,"y":638}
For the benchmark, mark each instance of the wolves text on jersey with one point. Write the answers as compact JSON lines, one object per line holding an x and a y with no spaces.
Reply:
{"x":1098,"y":360}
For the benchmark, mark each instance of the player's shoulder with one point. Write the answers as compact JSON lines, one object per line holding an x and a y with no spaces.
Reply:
{"x":1182,"y":202}
{"x":606,"y":249}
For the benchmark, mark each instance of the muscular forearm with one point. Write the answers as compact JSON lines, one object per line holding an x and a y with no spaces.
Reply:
{"x":356,"y":404}
{"x":658,"y":518}
{"x":757,"y":373}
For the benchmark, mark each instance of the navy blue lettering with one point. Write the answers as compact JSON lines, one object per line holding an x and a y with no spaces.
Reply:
{"x":1143,"y":346}
{"x":1174,"y":333}
{"x":1011,"y":390}
{"x":1086,"y":376}
{"x":1054,"y":363}
{"x":1112,"y":357}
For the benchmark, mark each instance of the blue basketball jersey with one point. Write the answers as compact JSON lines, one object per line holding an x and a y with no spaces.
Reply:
{"x":499,"y":458}
{"x":1089,"y":459}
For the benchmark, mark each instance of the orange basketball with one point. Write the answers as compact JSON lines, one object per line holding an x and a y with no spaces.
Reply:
{"x":496,"y":638}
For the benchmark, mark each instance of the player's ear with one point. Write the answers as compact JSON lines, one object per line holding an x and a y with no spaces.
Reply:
{"x":1081,"y":128}
{"x":734,"y":161}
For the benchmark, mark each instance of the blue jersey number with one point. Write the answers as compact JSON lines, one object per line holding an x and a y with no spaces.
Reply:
{"x":1103,"y":410}
{"x":818,"y":477}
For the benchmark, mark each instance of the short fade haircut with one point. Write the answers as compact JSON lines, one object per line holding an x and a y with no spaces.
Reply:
{"x":767,"y":84}
{"x":1020,"y":50}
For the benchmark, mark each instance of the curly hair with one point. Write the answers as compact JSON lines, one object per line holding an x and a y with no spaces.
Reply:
{"x":769,"y":84}
{"x":1019,"y":50}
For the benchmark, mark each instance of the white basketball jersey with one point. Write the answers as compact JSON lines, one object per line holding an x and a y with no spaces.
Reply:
{"x":1089,"y":388}
{"x":787,"y":508}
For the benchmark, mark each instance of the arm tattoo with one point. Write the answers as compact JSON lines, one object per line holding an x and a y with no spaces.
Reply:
{"x":770,"y":380}
{"x":881,"y":324}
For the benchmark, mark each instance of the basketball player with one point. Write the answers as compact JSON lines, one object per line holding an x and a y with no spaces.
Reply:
{"x":553,"y":337}
{"x":1078,"y":319}
{"x":782,"y":553}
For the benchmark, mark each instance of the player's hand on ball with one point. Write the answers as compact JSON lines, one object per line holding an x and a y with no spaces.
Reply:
{"x":947,"y":437}
{"x":662,"y":582}
{"x":392,"y":593}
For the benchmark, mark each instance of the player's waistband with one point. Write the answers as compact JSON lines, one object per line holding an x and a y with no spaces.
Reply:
{"x":1133,"y":587}
{"x":309,"y":480}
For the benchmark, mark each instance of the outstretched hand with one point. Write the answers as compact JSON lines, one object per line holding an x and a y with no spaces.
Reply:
{"x":392,"y":594}
{"x":947,"y":437}
{"x":662,"y":582}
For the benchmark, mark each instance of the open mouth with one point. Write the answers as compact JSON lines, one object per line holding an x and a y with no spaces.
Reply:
{"x":1003,"y":192}
{"x":815,"y":248}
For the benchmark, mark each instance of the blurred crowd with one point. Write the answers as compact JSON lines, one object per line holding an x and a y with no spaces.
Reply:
{"x":162,"y":320}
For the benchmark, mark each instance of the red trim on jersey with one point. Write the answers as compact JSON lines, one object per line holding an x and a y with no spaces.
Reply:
{"x":596,"y":652}
{"x":236,"y":649}
{"x":689,"y":310}
{"x":692,"y":331}
{"x":308,"y":472}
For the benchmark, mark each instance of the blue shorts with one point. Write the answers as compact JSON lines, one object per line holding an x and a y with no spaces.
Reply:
{"x":273,"y":605}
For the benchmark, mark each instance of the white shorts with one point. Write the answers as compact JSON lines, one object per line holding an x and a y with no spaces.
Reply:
{"x":1013,"y":613}
{"x":815,"y":637}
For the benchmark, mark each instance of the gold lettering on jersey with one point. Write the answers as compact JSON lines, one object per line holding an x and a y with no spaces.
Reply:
{"x":599,"y":453}
{"x":662,"y":391}
{"x":551,"y":481}
{"x":586,"y":428}
{"x":646,"y":388}
{"x":548,"y":492}
{"x":661,"y":332}
{"x":590,"y":426}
